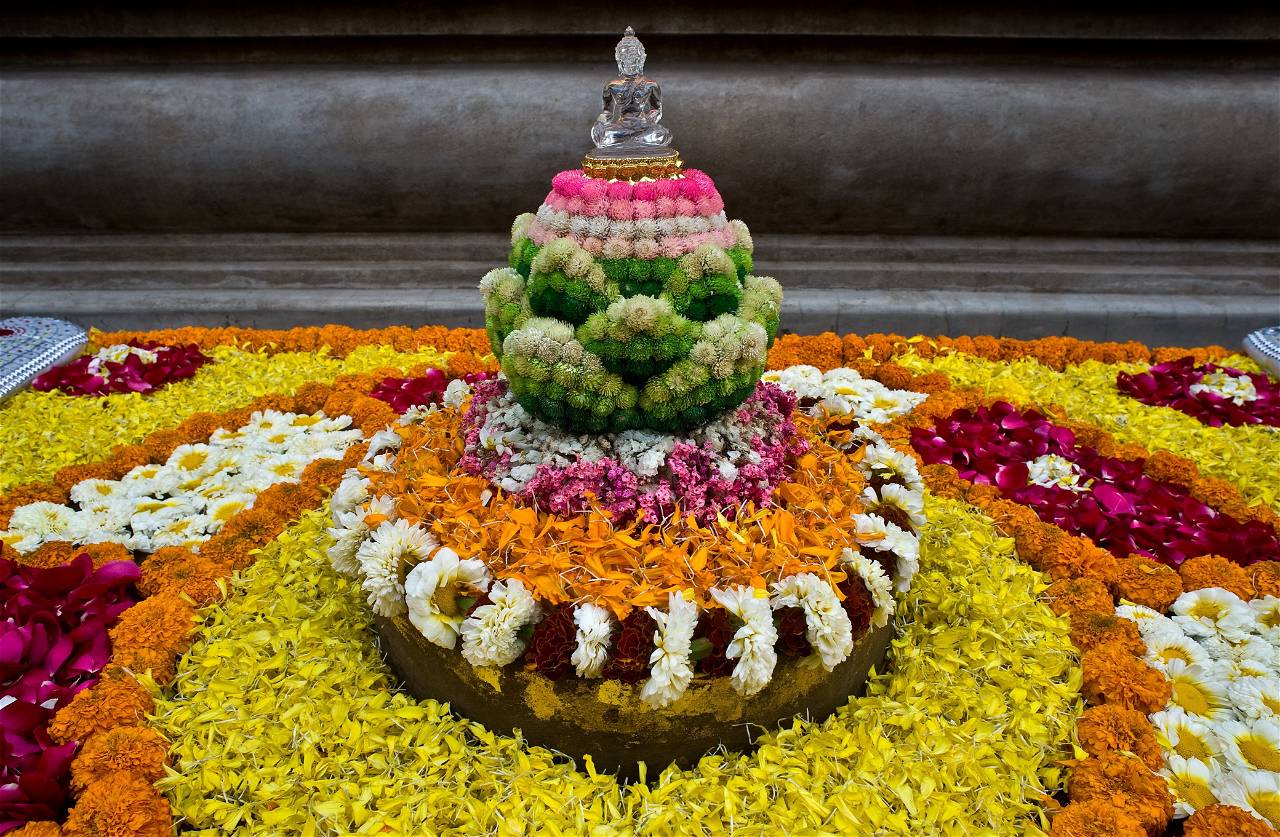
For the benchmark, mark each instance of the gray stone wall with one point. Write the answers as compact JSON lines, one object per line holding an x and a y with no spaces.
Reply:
{"x":986,"y":169}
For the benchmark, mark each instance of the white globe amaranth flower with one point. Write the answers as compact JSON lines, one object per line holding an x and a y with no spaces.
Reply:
{"x":753,"y":643}
{"x":827,"y":625}
{"x":670,"y":669}
{"x":877,"y":583}
{"x":594,"y":628}
{"x":491,"y":634}
{"x":432,"y":589}
{"x":390,"y":545}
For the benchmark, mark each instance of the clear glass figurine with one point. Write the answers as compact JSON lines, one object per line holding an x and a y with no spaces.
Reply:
{"x":632,"y":104}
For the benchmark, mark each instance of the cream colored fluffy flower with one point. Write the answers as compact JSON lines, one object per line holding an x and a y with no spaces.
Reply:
{"x":432,"y":589}
{"x":1213,"y":612}
{"x":670,"y":668}
{"x":380,"y":557}
{"x":827,"y":626}
{"x":594,"y":628}
{"x":753,"y":644}
{"x":491,"y":634}
{"x":347,"y":535}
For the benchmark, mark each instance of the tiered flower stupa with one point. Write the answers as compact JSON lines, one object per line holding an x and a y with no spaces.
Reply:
{"x":628,"y":544}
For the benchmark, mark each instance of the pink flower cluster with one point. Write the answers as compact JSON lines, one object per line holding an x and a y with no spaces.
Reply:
{"x":172,"y":363}
{"x":1124,"y":510}
{"x":693,"y":186}
{"x":53,"y":644}
{"x":693,"y":479}
{"x":1169,"y":385}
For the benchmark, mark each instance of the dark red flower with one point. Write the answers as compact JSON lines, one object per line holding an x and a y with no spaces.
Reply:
{"x":716,"y":628}
{"x":858,"y":604}
{"x":172,"y":363}
{"x":403,"y":393}
{"x":629,"y":658}
{"x":552,"y":642}
{"x":792,"y":641}
{"x":1169,"y":385}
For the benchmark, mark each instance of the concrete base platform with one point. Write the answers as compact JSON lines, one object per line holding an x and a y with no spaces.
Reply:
{"x":1159,"y":292}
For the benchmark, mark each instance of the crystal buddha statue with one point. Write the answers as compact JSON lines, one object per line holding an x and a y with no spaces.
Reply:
{"x":632,"y":106}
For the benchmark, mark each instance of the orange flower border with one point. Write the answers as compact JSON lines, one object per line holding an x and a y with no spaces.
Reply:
{"x":1113,"y":789}
{"x":120,"y":755}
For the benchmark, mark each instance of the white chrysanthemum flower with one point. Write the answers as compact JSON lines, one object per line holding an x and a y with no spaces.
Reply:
{"x":416,"y":414}
{"x":432,"y":590}
{"x":385,"y":440}
{"x":1213,"y":612}
{"x":1252,"y":656}
{"x":1191,"y":783}
{"x":1183,"y":734}
{"x":1165,"y":646}
{"x":1145,"y":617}
{"x":594,"y":628}
{"x":1235,"y":388}
{"x":1256,"y":791}
{"x":90,"y":493}
{"x":877,"y":583}
{"x":313,"y":446}
{"x":1256,"y":697}
{"x":670,"y":669}
{"x":1266,"y":618}
{"x":151,"y":514}
{"x":753,"y":644}
{"x":1253,"y":744}
{"x":827,"y":626}
{"x":380,"y":558}
{"x":224,"y":508}
{"x":805,"y":381}
{"x":1053,"y":471}
{"x":456,"y":393}
{"x":888,"y":464}
{"x":1200,"y":690}
{"x":910,"y":503}
{"x":193,"y":460}
{"x":883,"y":536}
{"x":491,"y":634}
{"x":320,"y":423}
{"x":350,"y":493}
{"x":33,"y":524}
{"x":347,"y":537}
{"x":185,"y":531}
{"x":150,"y":480}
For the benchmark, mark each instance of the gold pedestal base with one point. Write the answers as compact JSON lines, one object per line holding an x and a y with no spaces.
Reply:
{"x":665,"y":163}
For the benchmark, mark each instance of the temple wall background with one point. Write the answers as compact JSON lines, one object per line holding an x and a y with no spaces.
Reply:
{"x":976,"y":168}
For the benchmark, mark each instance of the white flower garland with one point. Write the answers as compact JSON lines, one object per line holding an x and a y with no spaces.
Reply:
{"x":876,"y":582}
{"x":753,"y":644}
{"x":379,"y":557}
{"x":491,"y":634}
{"x":827,"y":626}
{"x":671,"y":670}
{"x":431,"y":589}
{"x":594,"y":628}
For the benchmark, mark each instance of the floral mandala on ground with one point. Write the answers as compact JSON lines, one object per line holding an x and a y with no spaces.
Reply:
{"x":1215,"y":395}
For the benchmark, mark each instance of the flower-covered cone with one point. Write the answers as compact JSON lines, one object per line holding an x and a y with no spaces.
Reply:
{"x":630,"y":305}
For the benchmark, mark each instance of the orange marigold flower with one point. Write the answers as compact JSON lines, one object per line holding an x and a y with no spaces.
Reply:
{"x":942,"y":480}
{"x":1111,"y":728}
{"x":161,"y":443}
{"x":931,"y":382}
{"x":161,"y":623}
{"x":1146,"y":582}
{"x":1222,"y":496}
{"x":1216,"y":571}
{"x":49,"y":554}
{"x":120,"y":806}
{"x":114,"y":701}
{"x":1095,"y":818}
{"x":21,"y":495}
{"x":1079,"y":595}
{"x":1127,"y":783}
{"x":160,"y":663}
{"x":138,"y":751}
{"x":38,"y":828}
{"x":1167,"y":467}
{"x":894,"y":376}
{"x":1113,"y":675}
{"x":1089,"y":630}
{"x":1225,"y":821}
{"x":1265,"y":576}
{"x":177,"y":570}
{"x":1076,"y":557}
{"x":257,"y":526}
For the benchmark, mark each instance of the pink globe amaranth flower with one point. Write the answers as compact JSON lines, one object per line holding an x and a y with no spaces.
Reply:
{"x":685,"y":208}
{"x":644,"y":210}
{"x":619,"y":190}
{"x":594,"y":190}
{"x":559,"y":203}
{"x":697,"y":183}
{"x":616,"y":247}
{"x":705,"y":206}
{"x":669,"y":189}
{"x":539,"y":234}
{"x":643,"y":191}
{"x":576,"y":206}
{"x":1124,"y":510}
{"x":724,"y":237}
{"x":569,"y":183}
{"x":665,"y":207}
{"x":620,"y":210}
{"x":673,"y":246}
{"x":597,"y":208}
{"x":646,"y":248}
{"x":593,"y":245}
